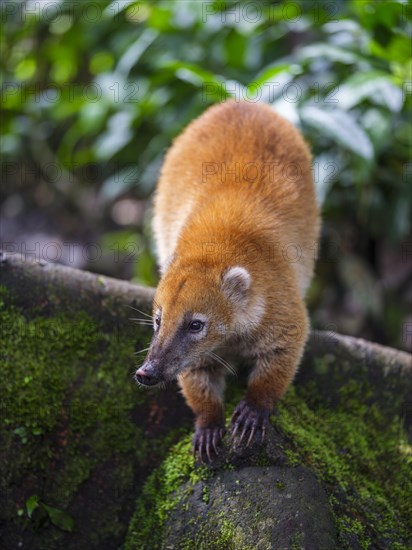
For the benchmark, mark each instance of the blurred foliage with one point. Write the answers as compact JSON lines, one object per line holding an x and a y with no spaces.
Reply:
{"x":93,"y":94}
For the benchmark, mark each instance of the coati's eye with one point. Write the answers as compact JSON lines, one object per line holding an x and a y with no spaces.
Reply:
{"x":196,"y":326}
{"x":157,"y":322}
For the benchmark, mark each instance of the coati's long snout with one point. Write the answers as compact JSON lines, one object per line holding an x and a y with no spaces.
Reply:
{"x":148,"y":374}
{"x":159,"y":366}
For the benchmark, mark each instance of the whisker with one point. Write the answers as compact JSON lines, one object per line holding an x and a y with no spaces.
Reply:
{"x":222,"y":362}
{"x":141,"y":386}
{"x":140,"y":311}
{"x":141,"y":350}
{"x":141,"y":321}
{"x":210,"y":354}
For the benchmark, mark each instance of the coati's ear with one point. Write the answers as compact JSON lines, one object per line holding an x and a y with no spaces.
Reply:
{"x":235,"y":284}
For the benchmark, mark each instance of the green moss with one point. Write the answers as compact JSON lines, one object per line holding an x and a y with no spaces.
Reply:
{"x":362,"y":457}
{"x":297,"y":541}
{"x":230,"y":537}
{"x":225,"y":536}
{"x":66,"y":428}
{"x":206,"y":494}
{"x":161,"y":495}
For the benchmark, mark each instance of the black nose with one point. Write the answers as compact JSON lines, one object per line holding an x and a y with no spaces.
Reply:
{"x":144,"y":378}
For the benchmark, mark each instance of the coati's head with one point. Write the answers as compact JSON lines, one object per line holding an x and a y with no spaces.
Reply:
{"x":194,"y":312}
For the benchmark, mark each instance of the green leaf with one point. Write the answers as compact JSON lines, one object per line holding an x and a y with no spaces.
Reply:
{"x":341,"y":128}
{"x":270,"y":72}
{"x":22,"y":433}
{"x":376,"y":86}
{"x":214,"y":86}
{"x":160,"y":18}
{"x":113,"y":9}
{"x":235,"y":49}
{"x":195,"y":74}
{"x":328,"y":51}
{"x":116,"y":136}
{"x":59,"y":518}
{"x":31,"y":504}
{"x":377,"y":123}
{"x":135,"y":51}
{"x":400,"y":49}
{"x":25,"y":69}
{"x":271,"y":82}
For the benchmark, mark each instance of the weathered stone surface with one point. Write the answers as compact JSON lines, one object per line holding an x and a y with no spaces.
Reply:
{"x":264,"y":508}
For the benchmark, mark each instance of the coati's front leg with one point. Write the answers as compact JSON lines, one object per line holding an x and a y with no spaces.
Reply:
{"x":203,"y":390}
{"x":267,"y":383}
{"x":275,"y":368}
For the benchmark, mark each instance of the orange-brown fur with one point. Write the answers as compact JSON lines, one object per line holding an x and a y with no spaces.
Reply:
{"x":264,"y":218}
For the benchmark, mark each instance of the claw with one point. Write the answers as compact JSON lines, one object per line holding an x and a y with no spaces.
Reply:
{"x":200,"y":450}
{"x":252,"y":433}
{"x":243,"y":433}
{"x":240,"y":412}
{"x":208,"y":446}
{"x":205,"y":442}
{"x":214,"y":443}
{"x":263,"y":432}
{"x":248,"y":418}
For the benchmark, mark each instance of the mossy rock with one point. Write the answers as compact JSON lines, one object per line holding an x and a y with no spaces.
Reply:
{"x":80,"y":442}
{"x":249,"y":498}
{"x":256,"y":507}
{"x":347,"y":467}
{"x":77,"y":437}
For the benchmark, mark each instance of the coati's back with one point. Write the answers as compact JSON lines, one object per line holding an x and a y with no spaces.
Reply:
{"x":239,"y":163}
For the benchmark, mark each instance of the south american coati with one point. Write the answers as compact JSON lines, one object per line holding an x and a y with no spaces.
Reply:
{"x":236,"y":225}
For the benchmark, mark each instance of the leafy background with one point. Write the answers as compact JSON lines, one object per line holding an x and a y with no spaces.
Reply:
{"x":93,"y":94}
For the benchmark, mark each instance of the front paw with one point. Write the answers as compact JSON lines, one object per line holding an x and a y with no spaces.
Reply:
{"x":207,"y":441}
{"x":248,"y":418}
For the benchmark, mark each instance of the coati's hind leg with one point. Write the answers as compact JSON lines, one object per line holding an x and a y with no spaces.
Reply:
{"x":203,"y":389}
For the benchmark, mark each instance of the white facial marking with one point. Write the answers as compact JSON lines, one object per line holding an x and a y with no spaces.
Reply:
{"x":255,"y":310}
